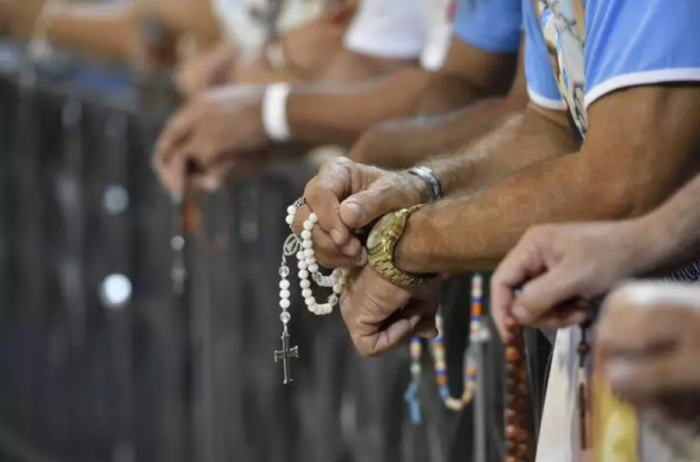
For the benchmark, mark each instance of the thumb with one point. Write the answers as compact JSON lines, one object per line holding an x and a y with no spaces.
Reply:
{"x":366,"y":206}
{"x":546,"y":292}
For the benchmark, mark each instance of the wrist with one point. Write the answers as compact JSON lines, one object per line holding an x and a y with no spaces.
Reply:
{"x":421,"y":191}
{"x":654,"y":244}
{"x":410,"y":255}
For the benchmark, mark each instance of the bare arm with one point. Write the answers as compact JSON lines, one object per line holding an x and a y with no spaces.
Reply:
{"x":405,"y":142}
{"x":675,"y":227}
{"x":110,"y":31}
{"x":341,"y":114}
{"x":624,"y":169}
{"x":467,"y":74}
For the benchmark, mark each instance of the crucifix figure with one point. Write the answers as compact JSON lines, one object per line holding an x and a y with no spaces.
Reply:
{"x":285,"y":354}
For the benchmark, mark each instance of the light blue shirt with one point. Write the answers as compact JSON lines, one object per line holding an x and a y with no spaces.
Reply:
{"x":600,"y":46}
{"x":490,"y":25}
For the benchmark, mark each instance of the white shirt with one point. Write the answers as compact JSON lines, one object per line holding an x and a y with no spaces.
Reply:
{"x":402,"y":29}
{"x":241,"y":19}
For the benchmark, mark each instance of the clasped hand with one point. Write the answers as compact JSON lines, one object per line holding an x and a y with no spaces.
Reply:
{"x":347,"y":196}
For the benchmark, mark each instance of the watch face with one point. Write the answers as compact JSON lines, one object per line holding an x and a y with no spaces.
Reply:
{"x":376,"y":236}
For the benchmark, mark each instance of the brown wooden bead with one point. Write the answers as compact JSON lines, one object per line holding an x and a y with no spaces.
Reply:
{"x":522,"y":451}
{"x":511,"y":432}
{"x":512,"y":355}
{"x":511,"y":459}
{"x":522,"y":389}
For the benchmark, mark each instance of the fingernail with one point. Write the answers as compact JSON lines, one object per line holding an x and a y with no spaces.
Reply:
{"x":353,"y":212}
{"x":336,"y":236}
{"x":351,"y":249}
{"x":362,"y":258}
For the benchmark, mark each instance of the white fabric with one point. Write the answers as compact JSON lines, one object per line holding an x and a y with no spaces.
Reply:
{"x":239,"y":21}
{"x":439,"y":34}
{"x":402,"y":29}
{"x":274,"y":112}
{"x":388,"y":28}
{"x":556,"y":443}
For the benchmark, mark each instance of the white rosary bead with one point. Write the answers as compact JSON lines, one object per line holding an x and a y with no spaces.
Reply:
{"x":284,"y":303}
{"x":307,"y":244}
{"x":313,"y":267}
{"x":308,"y":225}
{"x":284,"y":284}
{"x":313,"y":218}
{"x":300,"y":255}
{"x":284,"y":294}
{"x":309,"y":253}
{"x":291,"y":210}
{"x":337,"y":289}
{"x":303,"y":274}
{"x":306,"y":293}
{"x":305,"y":284}
{"x":302,"y":264}
{"x":289,"y":219}
{"x":306,"y":234}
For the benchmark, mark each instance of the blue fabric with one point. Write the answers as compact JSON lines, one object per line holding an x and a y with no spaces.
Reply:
{"x":633,"y":36}
{"x":603,"y":45}
{"x":541,"y":82}
{"x":491,"y":25}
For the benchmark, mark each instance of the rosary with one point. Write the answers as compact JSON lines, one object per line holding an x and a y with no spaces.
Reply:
{"x":302,"y":247}
{"x":518,"y":440}
{"x":478,"y":333}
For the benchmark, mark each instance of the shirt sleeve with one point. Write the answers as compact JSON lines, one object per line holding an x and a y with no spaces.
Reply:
{"x":388,"y":29}
{"x":640,"y":42}
{"x":541,"y":84}
{"x":491,"y":25}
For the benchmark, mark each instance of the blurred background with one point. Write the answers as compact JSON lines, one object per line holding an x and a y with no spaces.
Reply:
{"x":102,"y":356}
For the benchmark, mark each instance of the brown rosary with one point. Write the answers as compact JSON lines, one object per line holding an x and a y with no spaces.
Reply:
{"x":518,"y":438}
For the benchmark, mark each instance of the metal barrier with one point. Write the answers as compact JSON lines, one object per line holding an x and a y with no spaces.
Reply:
{"x":99,"y":361}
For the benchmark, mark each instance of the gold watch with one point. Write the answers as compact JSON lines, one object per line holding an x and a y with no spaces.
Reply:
{"x":381,"y":243}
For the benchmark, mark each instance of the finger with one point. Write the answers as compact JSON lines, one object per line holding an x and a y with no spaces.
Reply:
{"x":645,"y":379}
{"x":172,"y":176}
{"x":395,"y":334}
{"x":328,"y":253}
{"x":558,"y":285}
{"x":177,"y":131}
{"x":323,"y":194}
{"x":521,"y":264}
{"x":560,"y":320}
{"x":364,"y":207}
{"x":628,"y":328}
{"x":426,"y":328}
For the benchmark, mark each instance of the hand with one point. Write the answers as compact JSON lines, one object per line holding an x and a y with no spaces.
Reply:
{"x":564,"y":268}
{"x":648,"y":341}
{"x":347,"y":196}
{"x":380,"y":316}
{"x":216,"y":132}
{"x":208,"y":69}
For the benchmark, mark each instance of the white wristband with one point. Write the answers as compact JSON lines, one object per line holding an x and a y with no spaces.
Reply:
{"x":274,"y":112}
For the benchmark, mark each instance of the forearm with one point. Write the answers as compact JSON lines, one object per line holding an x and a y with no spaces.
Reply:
{"x":340,"y":113}
{"x":104,"y":31}
{"x":476,"y":231}
{"x":413,"y":140}
{"x":521,"y":139}
{"x":673,"y":230}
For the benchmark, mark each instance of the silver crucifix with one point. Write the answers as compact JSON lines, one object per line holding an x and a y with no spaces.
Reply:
{"x":285,"y":354}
